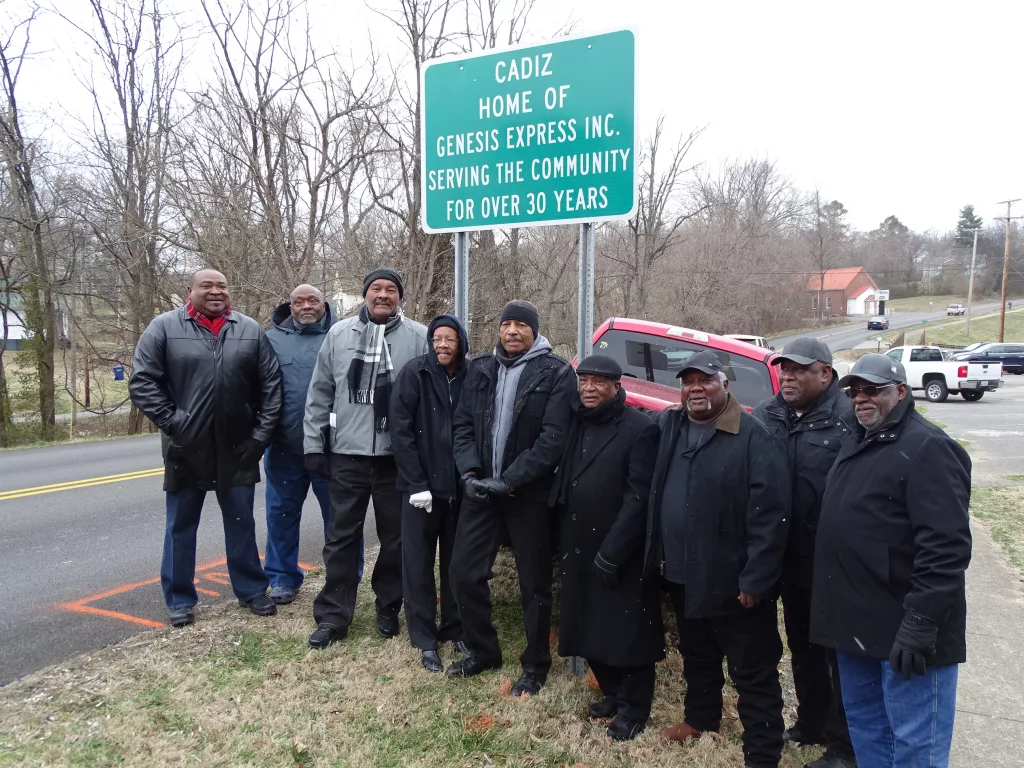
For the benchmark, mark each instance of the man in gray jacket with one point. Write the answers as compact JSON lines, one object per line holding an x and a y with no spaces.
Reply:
{"x":346,"y":437}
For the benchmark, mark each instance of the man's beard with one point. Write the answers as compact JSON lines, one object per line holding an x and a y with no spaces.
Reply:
{"x":307,"y":320}
{"x":691,"y":408}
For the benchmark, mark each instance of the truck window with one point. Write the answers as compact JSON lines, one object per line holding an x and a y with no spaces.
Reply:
{"x":896,"y":354}
{"x":925,"y":356}
{"x":658,"y":360}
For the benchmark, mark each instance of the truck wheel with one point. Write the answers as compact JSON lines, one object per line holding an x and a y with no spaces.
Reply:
{"x":935,"y":391}
{"x":971,"y":395}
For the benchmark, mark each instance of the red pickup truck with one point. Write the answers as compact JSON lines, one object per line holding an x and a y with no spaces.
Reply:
{"x":651,"y":354}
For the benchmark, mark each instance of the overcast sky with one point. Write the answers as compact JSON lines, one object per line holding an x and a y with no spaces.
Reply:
{"x":908,"y":108}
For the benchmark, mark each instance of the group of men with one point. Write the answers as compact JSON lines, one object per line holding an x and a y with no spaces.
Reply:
{"x":856,"y":517}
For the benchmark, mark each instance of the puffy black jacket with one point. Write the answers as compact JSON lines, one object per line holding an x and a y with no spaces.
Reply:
{"x":894,"y":534}
{"x":296,"y":347}
{"x":812,"y":444}
{"x":545,"y":395}
{"x":207,"y":395}
{"x":422,"y":404}
{"x":737,"y":510}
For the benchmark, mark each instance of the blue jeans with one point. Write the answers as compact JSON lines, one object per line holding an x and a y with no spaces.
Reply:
{"x":894,"y":722}
{"x":288,"y":483}
{"x":178,"y":569}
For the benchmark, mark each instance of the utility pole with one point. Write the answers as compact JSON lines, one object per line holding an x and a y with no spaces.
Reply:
{"x":1006,"y":263}
{"x":970,"y":281}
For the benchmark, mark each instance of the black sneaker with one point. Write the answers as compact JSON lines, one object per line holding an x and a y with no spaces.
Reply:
{"x":326,"y":634}
{"x":182,"y":617}
{"x":470,"y":666}
{"x":431,"y":661}
{"x":460,"y":647}
{"x":387,"y":626}
{"x":800,"y":736}
{"x":261,"y":605}
{"x":281,"y":595}
{"x":606,"y":707}
{"x":529,"y":684}
{"x":624,"y":729}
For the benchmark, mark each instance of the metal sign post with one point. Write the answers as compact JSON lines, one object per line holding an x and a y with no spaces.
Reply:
{"x":462,"y":278}
{"x":585,"y":318}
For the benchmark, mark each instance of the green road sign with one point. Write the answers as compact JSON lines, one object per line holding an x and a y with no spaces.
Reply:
{"x":538,"y":134}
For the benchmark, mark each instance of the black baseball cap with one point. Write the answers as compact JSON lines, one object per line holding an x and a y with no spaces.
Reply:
{"x":600,"y":365}
{"x":704,"y":361}
{"x":804,"y":351}
{"x":875,"y":369}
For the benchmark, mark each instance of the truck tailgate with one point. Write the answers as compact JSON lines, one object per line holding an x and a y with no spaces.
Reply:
{"x":991,"y":372}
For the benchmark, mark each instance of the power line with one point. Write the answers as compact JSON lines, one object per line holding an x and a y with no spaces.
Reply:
{"x":1006,"y":262}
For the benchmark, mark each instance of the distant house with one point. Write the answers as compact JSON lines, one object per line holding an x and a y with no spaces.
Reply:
{"x":841,"y":292}
{"x":12,"y":308}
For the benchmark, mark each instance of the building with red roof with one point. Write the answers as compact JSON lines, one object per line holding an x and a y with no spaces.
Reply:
{"x":842,"y":291}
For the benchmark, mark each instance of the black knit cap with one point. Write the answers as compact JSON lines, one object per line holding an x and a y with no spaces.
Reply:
{"x":523,"y":311}
{"x":384,"y":274}
{"x":600,"y":365}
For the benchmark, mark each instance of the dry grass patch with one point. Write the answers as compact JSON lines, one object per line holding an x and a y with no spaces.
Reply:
{"x":236,"y":690}
{"x":1002,"y":510}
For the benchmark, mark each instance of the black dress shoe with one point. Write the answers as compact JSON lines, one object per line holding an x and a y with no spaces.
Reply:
{"x":799,"y":735}
{"x":528,"y":684}
{"x":624,"y":729}
{"x":606,"y":707}
{"x":832,"y":761}
{"x":387,"y":626}
{"x":431,"y":661}
{"x":470,"y":666}
{"x":326,"y":634}
{"x":260,"y":605}
{"x":182,"y":617}
{"x":459,"y":646}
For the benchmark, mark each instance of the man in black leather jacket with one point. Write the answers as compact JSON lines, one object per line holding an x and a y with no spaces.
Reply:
{"x":209,"y":379}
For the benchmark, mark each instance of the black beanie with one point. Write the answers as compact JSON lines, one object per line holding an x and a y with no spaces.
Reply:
{"x":384,"y":274}
{"x":523,"y":311}
{"x":600,"y":365}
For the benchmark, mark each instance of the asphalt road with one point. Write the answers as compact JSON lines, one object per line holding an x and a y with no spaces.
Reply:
{"x":73,"y":544}
{"x":850,"y":335}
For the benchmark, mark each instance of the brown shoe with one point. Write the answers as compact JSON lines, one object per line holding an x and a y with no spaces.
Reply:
{"x":680,"y":732}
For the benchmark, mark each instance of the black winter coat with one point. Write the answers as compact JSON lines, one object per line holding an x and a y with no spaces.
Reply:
{"x":544,"y":398}
{"x":296,"y":347}
{"x":737,"y":512}
{"x":812,"y":444}
{"x":894,"y":534}
{"x":207,"y":395}
{"x":610,"y":461}
{"x":422,"y":403}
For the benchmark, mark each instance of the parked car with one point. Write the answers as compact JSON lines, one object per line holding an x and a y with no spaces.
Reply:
{"x":757,"y":341}
{"x":969,"y":347}
{"x":879,"y":323}
{"x":956,"y":309}
{"x":928,"y":371}
{"x":651,"y":354}
{"x":1010,"y":355}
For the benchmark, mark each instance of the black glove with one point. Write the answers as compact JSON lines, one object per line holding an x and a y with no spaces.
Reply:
{"x":468,"y":479}
{"x":249,"y":452}
{"x":490,"y":487}
{"x":318,"y":464}
{"x":606,"y":571}
{"x":914,"y":645}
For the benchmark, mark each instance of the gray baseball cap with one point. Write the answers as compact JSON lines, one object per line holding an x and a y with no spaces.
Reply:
{"x":804,"y":351}
{"x":876,"y":369}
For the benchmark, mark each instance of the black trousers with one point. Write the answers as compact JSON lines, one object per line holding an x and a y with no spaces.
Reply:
{"x":422,"y":531}
{"x":354,"y":481}
{"x":633,"y":687}
{"x":819,"y":697}
{"x":750,"y":644}
{"x":528,"y":524}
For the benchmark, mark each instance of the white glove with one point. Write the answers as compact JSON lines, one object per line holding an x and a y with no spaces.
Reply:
{"x":422,"y":500}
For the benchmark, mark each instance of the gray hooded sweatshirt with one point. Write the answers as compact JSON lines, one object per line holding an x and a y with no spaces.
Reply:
{"x":505,"y":399}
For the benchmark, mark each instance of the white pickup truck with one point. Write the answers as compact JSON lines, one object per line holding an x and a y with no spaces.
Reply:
{"x":928,"y":371}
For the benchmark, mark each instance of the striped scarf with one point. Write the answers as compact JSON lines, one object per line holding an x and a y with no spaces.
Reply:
{"x":369,"y":375}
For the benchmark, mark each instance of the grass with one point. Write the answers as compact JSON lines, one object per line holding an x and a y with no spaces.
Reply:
{"x":89,"y":429}
{"x":19,"y":367}
{"x":920,"y":303}
{"x":241,"y":690}
{"x":1016,"y":478}
{"x":1001,"y":508}
{"x":954,"y":333}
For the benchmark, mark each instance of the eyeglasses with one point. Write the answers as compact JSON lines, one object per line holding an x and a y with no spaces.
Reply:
{"x":871,"y":390}
{"x":443,"y":341}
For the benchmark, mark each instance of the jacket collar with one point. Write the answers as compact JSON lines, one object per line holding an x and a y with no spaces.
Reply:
{"x":729,"y":420}
{"x":893,"y":424}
